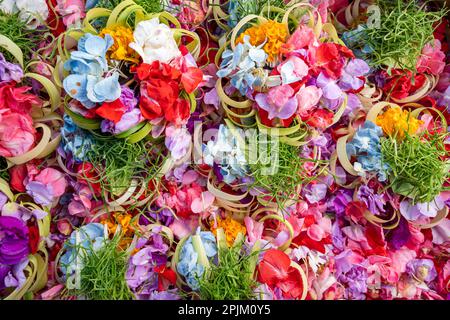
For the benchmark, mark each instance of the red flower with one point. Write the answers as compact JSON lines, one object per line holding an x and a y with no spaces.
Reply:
{"x":402,"y":83}
{"x":166,"y":277}
{"x":17,"y":175}
{"x":304,"y":240}
{"x":275,"y":270}
{"x":17,"y":99}
{"x":87,"y":174}
{"x":331,"y":57}
{"x":112,"y":110}
{"x":179,"y":112}
{"x":191,"y":79}
{"x":375,"y":238}
{"x":34,"y":238}
{"x":320,"y":118}
{"x":55,"y":23}
{"x":355,"y":210}
{"x":160,"y":92}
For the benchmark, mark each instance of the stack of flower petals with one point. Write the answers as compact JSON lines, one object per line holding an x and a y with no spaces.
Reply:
{"x":253,"y":150}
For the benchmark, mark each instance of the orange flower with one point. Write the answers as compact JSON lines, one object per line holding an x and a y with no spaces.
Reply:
{"x":231,"y":228}
{"x":396,"y":122}
{"x":126,"y":225}
{"x":274,"y":33}
{"x":121,"y":50}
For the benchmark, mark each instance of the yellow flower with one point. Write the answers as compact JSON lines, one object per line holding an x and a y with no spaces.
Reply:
{"x":231,"y":228}
{"x":274,"y":33}
{"x":121,"y":50}
{"x":127,"y":228}
{"x":395,"y":122}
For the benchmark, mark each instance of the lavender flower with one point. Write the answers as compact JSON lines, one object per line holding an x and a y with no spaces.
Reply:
{"x":375,"y":202}
{"x":9,"y":71}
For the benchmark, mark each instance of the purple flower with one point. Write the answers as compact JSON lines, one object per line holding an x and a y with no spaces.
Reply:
{"x":353,"y":104}
{"x":316,"y":192}
{"x":16,"y":276}
{"x":129,"y":119}
{"x":141,"y":277}
{"x":421,"y":269}
{"x":3,"y":199}
{"x":41,"y":193}
{"x":13,"y":209}
{"x":375,"y":202}
{"x":400,"y":235}
{"x":330,"y":89}
{"x":9,"y":71}
{"x":212,"y":98}
{"x":279,"y":102}
{"x":420,"y":211}
{"x":341,"y":200}
{"x":164,"y":295}
{"x":350,"y":79}
{"x":441,"y":232}
{"x":13,"y":240}
{"x":128,"y":98}
{"x":337,"y":236}
{"x":178,"y":141}
{"x":356,"y":281}
{"x":154,"y":253}
{"x":444,"y":100}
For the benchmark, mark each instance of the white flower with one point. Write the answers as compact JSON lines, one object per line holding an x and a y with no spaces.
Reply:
{"x":34,"y":12}
{"x":154,"y":41}
{"x":8,"y":6}
{"x":358,"y":168}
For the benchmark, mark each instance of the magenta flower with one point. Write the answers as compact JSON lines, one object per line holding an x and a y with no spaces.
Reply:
{"x":13,"y":240}
{"x":279,"y":102}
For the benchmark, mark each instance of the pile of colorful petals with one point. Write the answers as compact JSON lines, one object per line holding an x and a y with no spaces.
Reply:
{"x":212,"y":149}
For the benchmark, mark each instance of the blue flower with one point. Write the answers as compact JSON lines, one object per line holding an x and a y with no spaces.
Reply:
{"x":232,"y":13}
{"x":88,"y":238}
{"x":188,"y":265}
{"x":226,"y":152}
{"x":91,"y":55}
{"x":357,"y":41}
{"x":244,"y":66}
{"x":87,"y":66}
{"x":90,"y":4}
{"x":366,"y":146}
{"x":75,"y":140}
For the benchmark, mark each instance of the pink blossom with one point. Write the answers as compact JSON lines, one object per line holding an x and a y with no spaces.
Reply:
{"x":432,"y":60}
{"x":203,"y":202}
{"x":47,"y":186}
{"x":279,"y":102}
{"x":254,"y":230}
{"x":17,"y":134}
{"x":308,"y":98}
{"x":292,"y":70}
{"x":71,"y":11}
{"x":54,"y":178}
{"x":301,"y":38}
{"x":400,"y":258}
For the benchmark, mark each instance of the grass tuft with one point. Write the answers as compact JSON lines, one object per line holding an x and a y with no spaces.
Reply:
{"x":231,"y":278}
{"x":116,"y":162}
{"x":419,"y":170}
{"x":282,"y":170}
{"x":16,"y":30}
{"x":103,"y":274}
{"x":404,"y":30}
